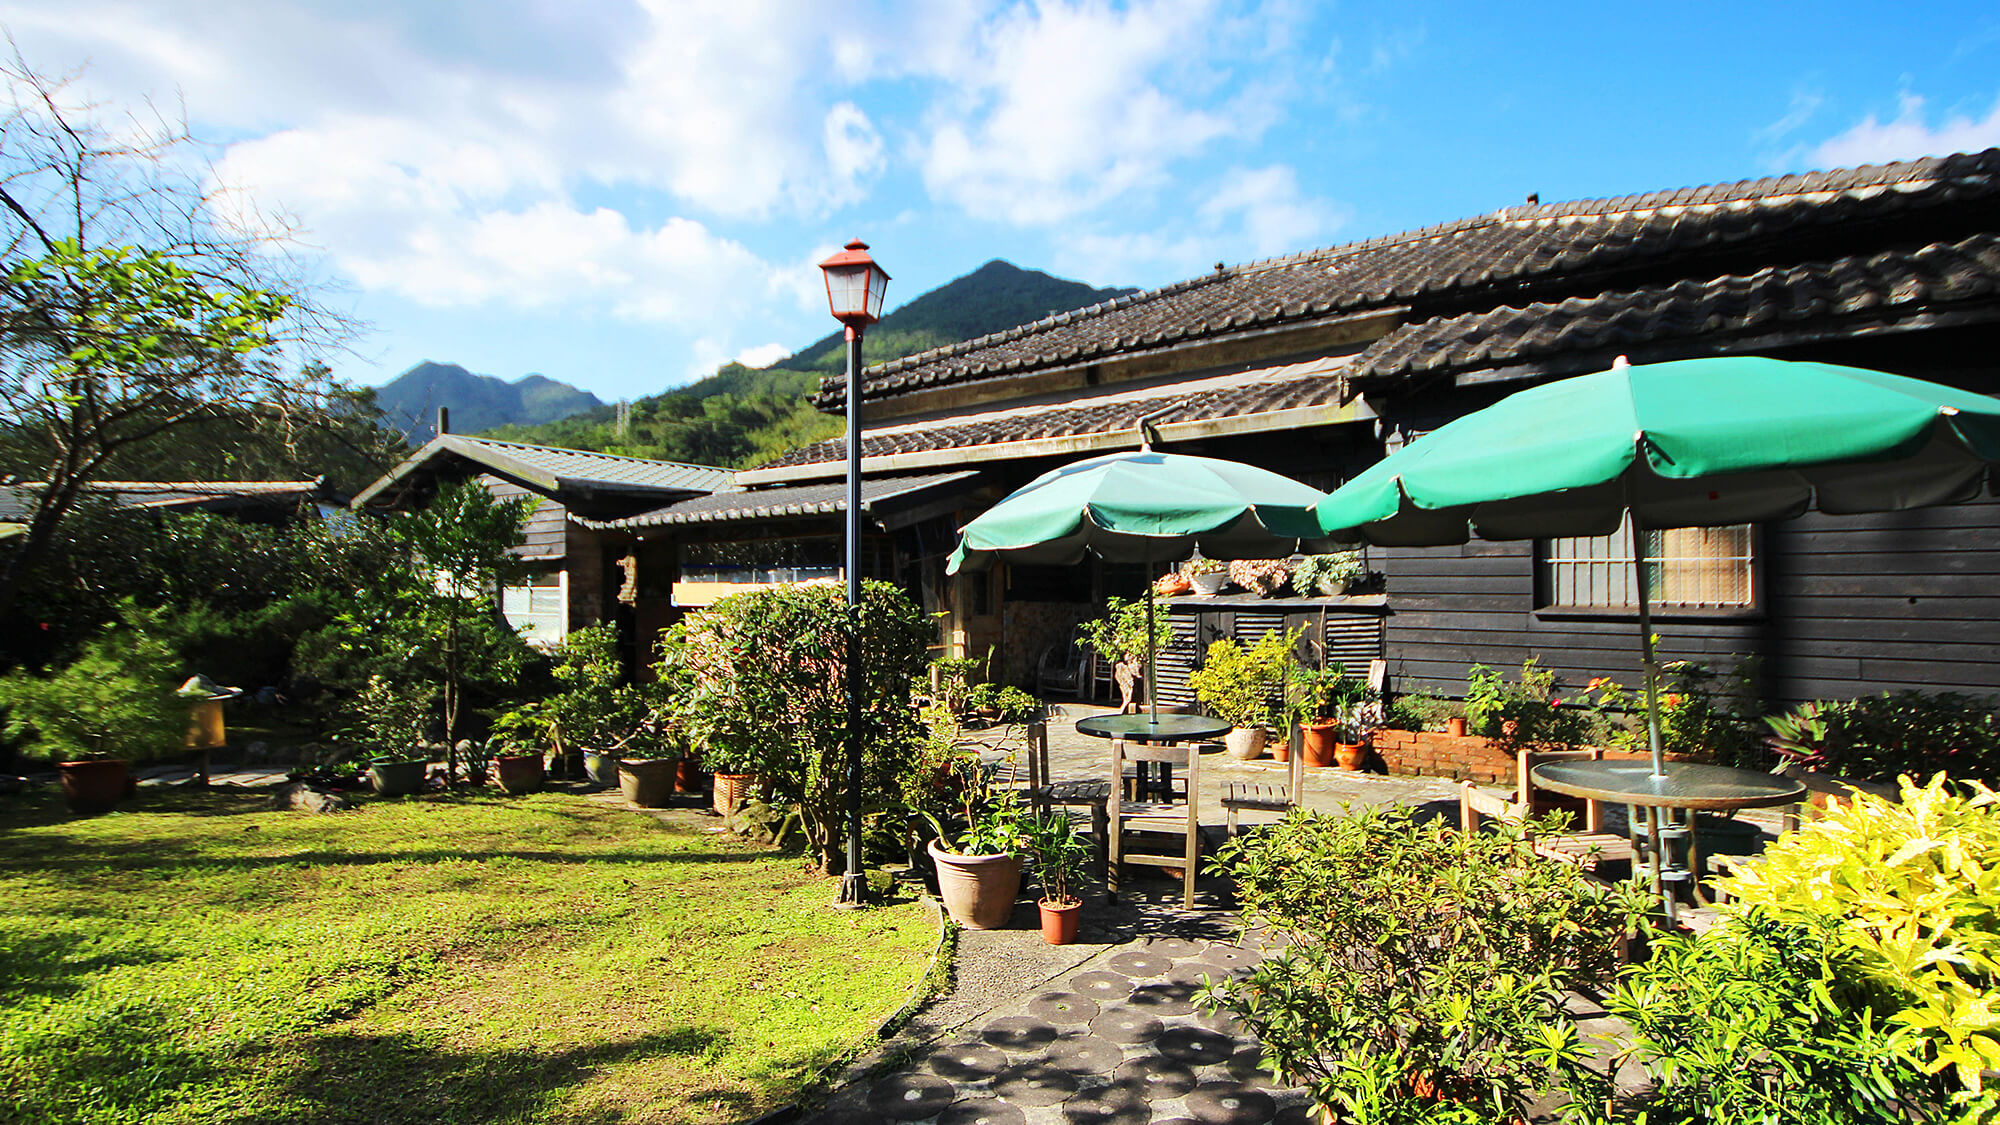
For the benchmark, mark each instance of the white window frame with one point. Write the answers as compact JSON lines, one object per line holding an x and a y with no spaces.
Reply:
{"x":1597,"y":573}
{"x":544,"y":628}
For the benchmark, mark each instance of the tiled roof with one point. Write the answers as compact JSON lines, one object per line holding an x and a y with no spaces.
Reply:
{"x":1314,"y":383}
{"x":793,"y":500}
{"x":1519,"y":253}
{"x":17,"y":501}
{"x":551,"y":470}
{"x":1933,"y":277}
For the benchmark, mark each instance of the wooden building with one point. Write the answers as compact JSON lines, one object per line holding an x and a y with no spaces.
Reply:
{"x":1317,"y":364}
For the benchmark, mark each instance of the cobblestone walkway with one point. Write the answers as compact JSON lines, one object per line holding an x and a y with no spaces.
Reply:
{"x":1118,"y":1039}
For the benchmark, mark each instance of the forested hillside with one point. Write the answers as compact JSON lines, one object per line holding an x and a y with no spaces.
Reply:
{"x":740,"y":416}
{"x":478,"y":402}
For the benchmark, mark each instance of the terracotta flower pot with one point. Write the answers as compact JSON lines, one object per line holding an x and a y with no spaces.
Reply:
{"x":687,"y":775}
{"x":90,"y":788}
{"x":1059,"y":921}
{"x":518,"y":773}
{"x":978,"y":890}
{"x":647,"y":783}
{"x":730,"y":789}
{"x":1280,"y":748}
{"x":1244,"y":743}
{"x":1455,"y":727}
{"x":1350,"y":755}
{"x":1317,"y":745}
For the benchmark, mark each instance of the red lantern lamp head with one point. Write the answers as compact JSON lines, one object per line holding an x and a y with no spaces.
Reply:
{"x":855,"y":286}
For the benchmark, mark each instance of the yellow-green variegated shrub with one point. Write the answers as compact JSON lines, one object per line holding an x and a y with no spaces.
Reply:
{"x":1916,"y":887}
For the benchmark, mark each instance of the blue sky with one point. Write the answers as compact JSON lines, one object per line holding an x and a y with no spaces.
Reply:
{"x":624,"y":195}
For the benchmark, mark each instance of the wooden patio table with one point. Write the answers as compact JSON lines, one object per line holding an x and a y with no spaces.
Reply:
{"x":1694,"y":786}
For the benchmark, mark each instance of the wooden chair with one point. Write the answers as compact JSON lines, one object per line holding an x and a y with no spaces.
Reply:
{"x":1062,"y":668}
{"x":1154,"y":819}
{"x":1586,"y":849}
{"x":1259,"y":797}
{"x":1044,"y":792}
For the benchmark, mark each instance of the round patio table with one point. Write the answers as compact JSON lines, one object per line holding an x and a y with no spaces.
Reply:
{"x":1149,"y":729}
{"x":1685,"y":785}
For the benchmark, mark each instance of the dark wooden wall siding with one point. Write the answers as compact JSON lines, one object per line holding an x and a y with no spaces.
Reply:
{"x":546,"y":524}
{"x":1873,"y":603}
{"x":1852,"y":605}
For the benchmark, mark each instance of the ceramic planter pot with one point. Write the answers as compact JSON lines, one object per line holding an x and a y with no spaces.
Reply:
{"x":978,"y":890}
{"x":1059,"y":921}
{"x":730,"y":789}
{"x":1209,"y":585}
{"x":601,"y":768}
{"x":1317,"y":745}
{"x":1244,"y":743}
{"x":687,"y":775}
{"x":1350,"y":755}
{"x":518,"y":773}
{"x":90,"y":788}
{"x":1455,"y":727}
{"x":647,"y":782}
{"x":397,"y":778}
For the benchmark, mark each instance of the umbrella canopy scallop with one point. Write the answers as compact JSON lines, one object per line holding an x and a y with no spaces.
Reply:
{"x":1690,"y":443}
{"x":1143,"y":506}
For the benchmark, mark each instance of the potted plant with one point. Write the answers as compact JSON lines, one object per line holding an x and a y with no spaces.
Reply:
{"x":980,"y":878}
{"x":1120,"y":637}
{"x":1206,"y":576}
{"x":649,"y":761}
{"x":390,"y":722}
{"x":1244,"y":687}
{"x":1059,"y":854}
{"x":1323,"y":576}
{"x":1323,"y":698}
{"x":112,"y":705}
{"x":518,"y":738}
{"x":1358,"y":722}
{"x":1262,"y":577}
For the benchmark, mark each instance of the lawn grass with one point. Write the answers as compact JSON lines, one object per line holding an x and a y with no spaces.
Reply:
{"x":197,"y":958}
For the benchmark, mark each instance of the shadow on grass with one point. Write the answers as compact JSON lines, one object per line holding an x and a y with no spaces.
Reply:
{"x":172,"y":858}
{"x":394,"y":1079}
{"x":44,"y":966}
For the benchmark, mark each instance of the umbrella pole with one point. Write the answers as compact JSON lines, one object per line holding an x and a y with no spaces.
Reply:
{"x":1655,"y":846}
{"x":1152,"y":697}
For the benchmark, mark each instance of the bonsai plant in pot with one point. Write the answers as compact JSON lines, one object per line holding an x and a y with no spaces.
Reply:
{"x":1120,"y":637}
{"x":1324,"y":576}
{"x":1059,"y":856}
{"x":1245,"y":687}
{"x":390,"y":719}
{"x":1206,"y":576}
{"x":980,"y":878}
{"x":112,"y":705}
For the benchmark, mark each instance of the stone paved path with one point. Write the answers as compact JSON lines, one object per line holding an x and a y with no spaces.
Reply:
{"x":1117,"y":1039}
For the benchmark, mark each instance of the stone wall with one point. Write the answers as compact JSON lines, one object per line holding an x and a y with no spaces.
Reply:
{"x":1030,"y":628}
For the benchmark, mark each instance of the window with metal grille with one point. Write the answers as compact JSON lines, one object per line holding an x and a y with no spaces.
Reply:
{"x":1687,"y":567}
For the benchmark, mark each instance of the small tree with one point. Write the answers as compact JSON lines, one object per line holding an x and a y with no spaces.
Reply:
{"x":760,"y":685}
{"x":115,"y":700}
{"x":129,"y":309}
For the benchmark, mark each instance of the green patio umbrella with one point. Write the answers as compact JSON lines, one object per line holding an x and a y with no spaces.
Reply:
{"x":1692,"y":443}
{"x":1143,"y":507}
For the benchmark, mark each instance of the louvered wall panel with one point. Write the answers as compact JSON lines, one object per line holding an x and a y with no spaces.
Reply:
{"x":1354,"y":640}
{"x":1177,"y":660}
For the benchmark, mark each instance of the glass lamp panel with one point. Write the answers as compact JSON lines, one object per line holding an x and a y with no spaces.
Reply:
{"x":878,"y":284}
{"x":847,"y":289}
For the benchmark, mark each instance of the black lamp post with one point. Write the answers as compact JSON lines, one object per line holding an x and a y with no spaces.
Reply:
{"x":854,"y":288}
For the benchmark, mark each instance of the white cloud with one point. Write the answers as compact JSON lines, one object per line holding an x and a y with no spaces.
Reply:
{"x":1251,"y":213}
{"x":1060,"y":107}
{"x":1874,"y":141}
{"x":763,"y":355}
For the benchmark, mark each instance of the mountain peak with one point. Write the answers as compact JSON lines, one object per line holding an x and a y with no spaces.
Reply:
{"x":477,"y":402}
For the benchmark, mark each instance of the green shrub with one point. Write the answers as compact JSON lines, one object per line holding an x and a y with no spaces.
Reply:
{"x":1120,"y":635}
{"x":1759,"y":1021}
{"x":115,"y":700}
{"x":1881,"y":737}
{"x":1421,"y":956}
{"x":1246,"y":686}
{"x":758,"y":681}
{"x":1526,"y":711}
{"x":1421,"y":710}
{"x":1915,"y":888}
{"x":1327,"y":575}
{"x":392,"y":717}
{"x":1699,"y":717}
